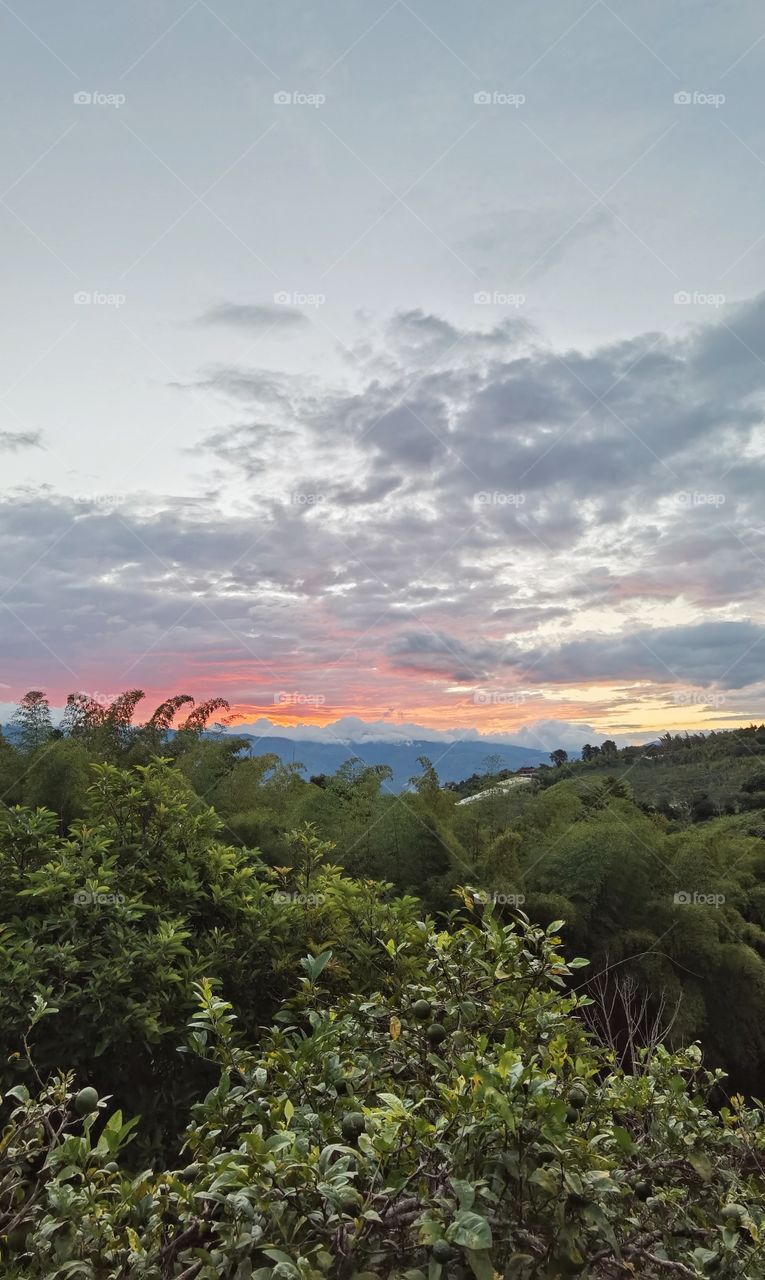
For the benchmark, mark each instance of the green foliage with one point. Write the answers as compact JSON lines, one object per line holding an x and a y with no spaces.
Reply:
{"x":115,"y":922}
{"x":687,"y":777}
{"x":346,"y":1146}
{"x":621,"y":846}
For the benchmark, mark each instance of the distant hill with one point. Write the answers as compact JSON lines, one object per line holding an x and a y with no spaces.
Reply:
{"x":453,"y":761}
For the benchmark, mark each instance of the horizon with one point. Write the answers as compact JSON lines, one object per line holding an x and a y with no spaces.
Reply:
{"x":540,"y":737}
{"x":381,"y":363}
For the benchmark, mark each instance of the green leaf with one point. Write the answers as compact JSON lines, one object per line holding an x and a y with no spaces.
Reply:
{"x":470,"y":1230}
{"x":702,"y":1164}
{"x":465,"y":1193}
{"x":594,"y":1214}
{"x":623,"y":1139}
{"x":19,"y":1092}
{"x":547,"y":1180}
{"x":315,"y":965}
{"x":480,"y":1264}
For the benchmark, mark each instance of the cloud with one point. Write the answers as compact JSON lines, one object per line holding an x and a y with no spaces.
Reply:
{"x":13,"y":441}
{"x":548,"y":735}
{"x":468,"y":509}
{"x":256,"y":318}
{"x":542,"y":735}
{"x":725,"y":654}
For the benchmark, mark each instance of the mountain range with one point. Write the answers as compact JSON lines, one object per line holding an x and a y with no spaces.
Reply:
{"x":452,"y":760}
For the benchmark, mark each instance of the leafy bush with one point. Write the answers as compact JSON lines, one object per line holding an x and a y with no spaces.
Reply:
{"x":457,"y":1122}
{"x":114,"y":923}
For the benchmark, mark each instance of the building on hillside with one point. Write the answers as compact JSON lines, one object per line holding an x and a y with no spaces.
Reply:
{"x":528,"y":771}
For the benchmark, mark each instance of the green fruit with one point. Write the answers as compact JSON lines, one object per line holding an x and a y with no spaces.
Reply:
{"x":733,"y":1212}
{"x":577,"y":1096}
{"x":436,"y":1033}
{"x":422,"y":1010}
{"x":353,"y":1125}
{"x":111,"y":1167}
{"x":86,"y":1101}
{"x":441,"y":1251}
{"x":190,"y":1172}
{"x":643,"y":1190}
{"x":572,"y":1115}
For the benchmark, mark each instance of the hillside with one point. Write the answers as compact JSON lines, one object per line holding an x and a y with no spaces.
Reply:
{"x":684,"y":776}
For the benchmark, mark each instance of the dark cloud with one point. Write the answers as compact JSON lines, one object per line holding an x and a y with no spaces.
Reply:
{"x":13,"y":441}
{"x":729,"y":655}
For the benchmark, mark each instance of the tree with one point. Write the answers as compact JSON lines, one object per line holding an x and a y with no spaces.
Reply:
{"x":59,"y":779}
{"x":559,"y":757}
{"x":117,"y":917}
{"x":198,"y":719}
{"x":12,"y":770}
{"x":491,"y":764}
{"x":31,"y":723}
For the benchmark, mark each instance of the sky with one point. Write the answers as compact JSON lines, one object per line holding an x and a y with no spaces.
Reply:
{"x":384,"y":367}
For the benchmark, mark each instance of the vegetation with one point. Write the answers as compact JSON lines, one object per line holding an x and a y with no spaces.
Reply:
{"x":116,"y":921}
{"x":353,"y":1142}
{"x":383,"y":1072}
{"x":687,"y":777}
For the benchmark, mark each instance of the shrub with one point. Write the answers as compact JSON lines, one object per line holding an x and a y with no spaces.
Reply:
{"x":113,"y":925}
{"x":513,"y":1149}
